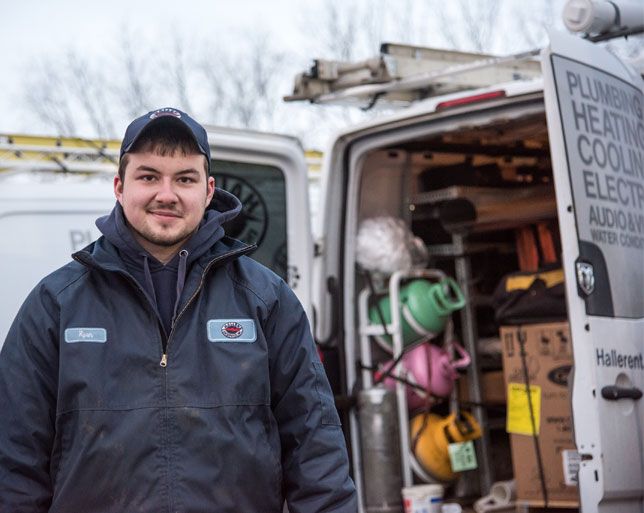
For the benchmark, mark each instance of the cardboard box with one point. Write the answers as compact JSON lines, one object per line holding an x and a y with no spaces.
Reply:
{"x":548,"y":361}
{"x":492,"y":387}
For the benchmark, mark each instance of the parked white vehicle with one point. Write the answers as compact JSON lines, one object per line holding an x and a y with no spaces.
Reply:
{"x":573,"y":120}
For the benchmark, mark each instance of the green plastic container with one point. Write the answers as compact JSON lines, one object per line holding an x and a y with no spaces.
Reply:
{"x":425,"y":309}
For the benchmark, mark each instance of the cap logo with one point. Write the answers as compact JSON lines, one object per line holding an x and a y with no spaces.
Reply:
{"x":165,"y":112}
{"x":232,"y":330}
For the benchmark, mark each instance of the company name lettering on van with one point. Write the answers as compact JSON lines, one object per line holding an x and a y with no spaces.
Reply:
{"x":609,"y":143}
{"x":612,"y":358}
{"x":79,"y":238}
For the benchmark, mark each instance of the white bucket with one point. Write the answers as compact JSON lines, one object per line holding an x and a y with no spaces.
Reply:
{"x":423,"y":498}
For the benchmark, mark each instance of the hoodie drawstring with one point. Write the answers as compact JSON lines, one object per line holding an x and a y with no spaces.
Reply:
{"x":149,"y":284}
{"x":181,"y":280}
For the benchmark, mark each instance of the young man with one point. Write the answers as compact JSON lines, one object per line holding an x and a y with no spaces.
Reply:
{"x":162,"y":370}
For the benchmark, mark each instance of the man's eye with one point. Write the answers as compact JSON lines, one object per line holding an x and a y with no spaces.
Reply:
{"x":185,"y":180}
{"x":147,"y":178}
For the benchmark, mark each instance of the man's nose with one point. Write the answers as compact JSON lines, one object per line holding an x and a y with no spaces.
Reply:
{"x":166,"y":192}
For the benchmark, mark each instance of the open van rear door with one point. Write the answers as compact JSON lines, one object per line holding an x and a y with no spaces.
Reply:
{"x":594,"y":106}
{"x":268,"y":173}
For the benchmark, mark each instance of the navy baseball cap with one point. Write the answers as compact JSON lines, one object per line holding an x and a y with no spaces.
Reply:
{"x":166,"y":115}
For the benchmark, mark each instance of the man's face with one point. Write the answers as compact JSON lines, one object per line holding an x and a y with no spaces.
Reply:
{"x":164,"y":199}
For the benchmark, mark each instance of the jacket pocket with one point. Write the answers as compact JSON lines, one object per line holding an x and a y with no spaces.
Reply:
{"x":327,"y":404}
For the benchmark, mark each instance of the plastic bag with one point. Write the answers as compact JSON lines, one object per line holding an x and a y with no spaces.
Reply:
{"x":386,"y":245}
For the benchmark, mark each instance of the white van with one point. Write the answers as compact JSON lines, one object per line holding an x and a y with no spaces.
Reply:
{"x":579,"y":128}
{"x":577,"y":133}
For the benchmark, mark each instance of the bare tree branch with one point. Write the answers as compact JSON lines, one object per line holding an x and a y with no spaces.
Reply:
{"x":212,"y":77}
{"x":408,"y":23}
{"x":446,"y":23}
{"x":179,"y":66}
{"x":477,"y":24}
{"x":87,"y":84}
{"x":340,"y":29}
{"x":532,"y":24}
{"x":243,"y":85}
{"x":135,"y":93}
{"x":253,"y":95}
{"x":45,"y":94}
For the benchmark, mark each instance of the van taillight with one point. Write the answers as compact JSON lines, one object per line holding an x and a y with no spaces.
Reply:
{"x":470,"y":99}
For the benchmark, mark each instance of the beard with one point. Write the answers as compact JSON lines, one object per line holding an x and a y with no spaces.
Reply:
{"x":161,"y":239}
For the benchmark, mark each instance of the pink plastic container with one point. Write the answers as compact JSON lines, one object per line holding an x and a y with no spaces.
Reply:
{"x":430,"y":367}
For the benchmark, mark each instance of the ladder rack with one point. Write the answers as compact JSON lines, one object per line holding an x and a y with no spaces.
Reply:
{"x":20,"y":153}
{"x":67,"y":154}
{"x":402,"y":74}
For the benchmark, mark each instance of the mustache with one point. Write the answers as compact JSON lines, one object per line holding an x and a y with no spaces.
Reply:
{"x":165,"y":209}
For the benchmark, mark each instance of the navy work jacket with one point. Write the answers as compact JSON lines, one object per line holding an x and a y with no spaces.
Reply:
{"x":238,"y":418}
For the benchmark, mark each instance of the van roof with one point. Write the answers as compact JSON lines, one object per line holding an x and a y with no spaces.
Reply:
{"x":429,"y":106}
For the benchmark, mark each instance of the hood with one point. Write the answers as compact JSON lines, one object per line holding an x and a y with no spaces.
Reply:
{"x":164,"y":283}
{"x":222,"y":209}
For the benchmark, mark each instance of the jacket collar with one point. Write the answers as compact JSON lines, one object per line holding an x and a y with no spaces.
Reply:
{"x":102,"y":254}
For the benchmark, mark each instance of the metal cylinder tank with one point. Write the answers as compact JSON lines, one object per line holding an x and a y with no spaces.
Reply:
{"x":380,"y":444}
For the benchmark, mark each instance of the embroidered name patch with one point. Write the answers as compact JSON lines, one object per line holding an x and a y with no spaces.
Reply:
{"x":98,"y":335}
{"x":231,"y":330}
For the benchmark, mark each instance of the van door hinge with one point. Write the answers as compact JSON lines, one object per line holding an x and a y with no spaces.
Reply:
{"x":318,"y":247}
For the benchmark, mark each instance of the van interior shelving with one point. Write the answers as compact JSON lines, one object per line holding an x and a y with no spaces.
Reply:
{"x":466,"y":192}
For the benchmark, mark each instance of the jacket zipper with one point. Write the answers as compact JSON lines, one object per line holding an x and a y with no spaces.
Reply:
{"x":165,"y":340}
{"x":164,"y":356}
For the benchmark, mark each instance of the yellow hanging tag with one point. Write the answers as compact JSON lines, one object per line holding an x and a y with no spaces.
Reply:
{"x":518,"y":420}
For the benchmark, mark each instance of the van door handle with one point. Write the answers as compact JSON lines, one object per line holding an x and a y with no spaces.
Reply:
{"x":614,"y":393}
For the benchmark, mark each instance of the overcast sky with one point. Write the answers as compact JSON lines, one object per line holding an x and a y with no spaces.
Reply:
{"x":30,"y":29}
{"x":33,"y":31}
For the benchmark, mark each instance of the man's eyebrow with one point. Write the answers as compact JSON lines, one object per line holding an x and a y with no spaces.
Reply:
{"x":147,"y":168}
{"x":150,"y":169}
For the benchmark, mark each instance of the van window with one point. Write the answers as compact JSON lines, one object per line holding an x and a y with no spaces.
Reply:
{"x":262,"y":221}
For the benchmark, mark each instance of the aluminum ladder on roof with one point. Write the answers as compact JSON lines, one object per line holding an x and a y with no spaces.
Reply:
{"x":20,"y":153}
{"x":402,"y":74}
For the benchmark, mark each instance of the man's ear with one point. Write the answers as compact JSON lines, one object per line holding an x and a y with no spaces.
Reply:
{"x":118,"y":188}
{"x":211,"y":190}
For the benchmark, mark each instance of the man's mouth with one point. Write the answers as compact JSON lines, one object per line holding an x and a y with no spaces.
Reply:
{"x":165,"y":213}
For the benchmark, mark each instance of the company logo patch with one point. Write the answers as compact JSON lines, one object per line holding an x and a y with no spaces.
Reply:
{"x":165,"y":112}
{"x":96,"y":335}
{"x":231,"y":330}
